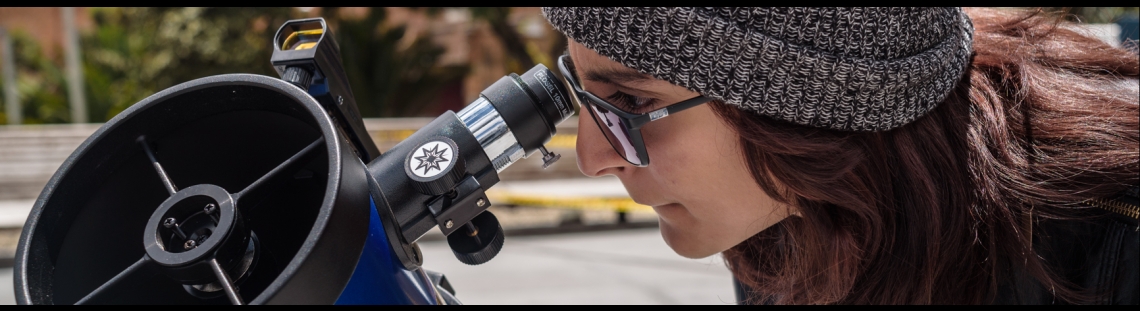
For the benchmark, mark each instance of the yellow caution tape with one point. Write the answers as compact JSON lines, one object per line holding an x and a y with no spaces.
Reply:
{"x":615,"y":204}
{"x":391,"y":135}
{"x":563,"y":141}
{"x":503,"y":197}
{"x":558,"y":141}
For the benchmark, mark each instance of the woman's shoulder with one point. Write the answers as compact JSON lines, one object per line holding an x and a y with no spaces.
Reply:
{"x":1113,"y":266}
{"x":1099,"y":253}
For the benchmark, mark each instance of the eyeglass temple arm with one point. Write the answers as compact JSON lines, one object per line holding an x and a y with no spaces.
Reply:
{"x":688,"y":103}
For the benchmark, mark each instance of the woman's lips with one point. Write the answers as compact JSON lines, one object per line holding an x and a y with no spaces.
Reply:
{"x":666,"y":208}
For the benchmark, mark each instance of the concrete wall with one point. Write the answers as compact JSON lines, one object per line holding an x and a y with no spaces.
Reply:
{"x":30,"y":154}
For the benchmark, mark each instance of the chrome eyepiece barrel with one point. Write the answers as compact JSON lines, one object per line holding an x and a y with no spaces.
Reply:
{"x":492,"y":133}
{"x":517,"y":115}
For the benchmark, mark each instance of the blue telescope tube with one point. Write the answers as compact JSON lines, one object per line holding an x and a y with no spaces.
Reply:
{"x":380,"y":278}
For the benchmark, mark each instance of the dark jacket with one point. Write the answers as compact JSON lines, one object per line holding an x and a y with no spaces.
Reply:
{"x":1099,"y":253}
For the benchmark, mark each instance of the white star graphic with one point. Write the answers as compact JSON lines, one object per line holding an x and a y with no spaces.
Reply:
{"x":431,"y":159}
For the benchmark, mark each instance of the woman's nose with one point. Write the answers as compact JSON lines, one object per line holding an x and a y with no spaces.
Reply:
{"x":595,"y":155}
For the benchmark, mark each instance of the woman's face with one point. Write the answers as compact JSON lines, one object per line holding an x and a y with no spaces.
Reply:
{"x":697,"y":180}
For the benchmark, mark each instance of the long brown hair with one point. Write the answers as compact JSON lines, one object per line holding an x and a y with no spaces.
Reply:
{"x":939,"y":210}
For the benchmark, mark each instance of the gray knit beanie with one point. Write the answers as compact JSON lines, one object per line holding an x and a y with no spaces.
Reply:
{"x":856,"y":69}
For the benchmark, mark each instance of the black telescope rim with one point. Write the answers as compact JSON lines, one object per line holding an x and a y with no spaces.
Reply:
{"x":321,"y":225}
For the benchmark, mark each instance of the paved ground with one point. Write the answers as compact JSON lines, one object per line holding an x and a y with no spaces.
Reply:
{"x":552,"y":255}
{"x":13,"y":213}
{"x":629,"y":266}
{"x":7,"y":289}
{"x":632,"y":266}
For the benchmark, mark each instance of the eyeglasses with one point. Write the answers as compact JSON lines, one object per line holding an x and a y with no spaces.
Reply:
{"x":622,"y":129}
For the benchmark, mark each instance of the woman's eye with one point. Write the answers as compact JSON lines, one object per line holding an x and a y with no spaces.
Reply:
{"x":630,"y":103}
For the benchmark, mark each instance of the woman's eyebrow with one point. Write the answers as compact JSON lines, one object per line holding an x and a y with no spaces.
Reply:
{"x":616,"y":76}
{"x":624,"y":77}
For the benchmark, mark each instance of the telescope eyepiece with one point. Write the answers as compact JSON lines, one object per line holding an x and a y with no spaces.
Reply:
{"x":531,"y":104}
{"x":516,"y":115}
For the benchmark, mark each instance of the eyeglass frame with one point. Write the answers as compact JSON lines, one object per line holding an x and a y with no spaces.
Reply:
{"x":633,"y":121}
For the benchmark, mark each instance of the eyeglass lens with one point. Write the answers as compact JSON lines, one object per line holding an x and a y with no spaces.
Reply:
{"x":614,"y":128}
{"x":611,"y":125}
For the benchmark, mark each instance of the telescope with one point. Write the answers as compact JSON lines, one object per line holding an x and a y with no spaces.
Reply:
{"x":250,"y":189}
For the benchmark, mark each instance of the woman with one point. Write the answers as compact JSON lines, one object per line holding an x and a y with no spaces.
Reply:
{"x":857,"y":155}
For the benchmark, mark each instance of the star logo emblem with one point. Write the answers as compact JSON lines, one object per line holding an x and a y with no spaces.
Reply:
{"x":432,"y":159}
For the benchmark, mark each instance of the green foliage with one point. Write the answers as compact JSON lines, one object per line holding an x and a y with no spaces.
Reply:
{"x":135,"y":52}
{"x":520,"y":59}
{"x":131,"y":53}
{"x":388,"y":81}
{"x":39,"y":82}
{"x":1096,"y":15}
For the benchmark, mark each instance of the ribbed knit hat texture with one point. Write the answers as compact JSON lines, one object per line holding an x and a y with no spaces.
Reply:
{"x":854,"y":69}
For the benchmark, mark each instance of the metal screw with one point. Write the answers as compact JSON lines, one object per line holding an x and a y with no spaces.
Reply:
{"x":171,"y":223}
{"x":210,"y":208}
{"x":481,"y":202}
{"x":340,"y":100}
{"x":190,"y":244}
{"x":449,"y":224}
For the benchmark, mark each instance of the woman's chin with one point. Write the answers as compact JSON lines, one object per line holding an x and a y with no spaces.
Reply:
{"x":682,"y":243}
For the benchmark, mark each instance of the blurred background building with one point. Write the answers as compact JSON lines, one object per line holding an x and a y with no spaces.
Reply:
{"x":403,"y":62}
{"x":65,"y":71}
{"x":85,"y":65}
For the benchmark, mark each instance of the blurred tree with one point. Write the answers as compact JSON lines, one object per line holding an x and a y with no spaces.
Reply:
{"x":39,"y":82}
{"x":388,"y":81}
{"x":523,"y":54}
{"x":131,"y":53}
{"x":135,"y":52}
{"x":1095,"y":15}
{"x":498,"y":18}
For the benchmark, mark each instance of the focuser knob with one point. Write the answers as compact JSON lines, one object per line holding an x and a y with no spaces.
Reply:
{"x":479,"y":241}
{"x":435,"y":166}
